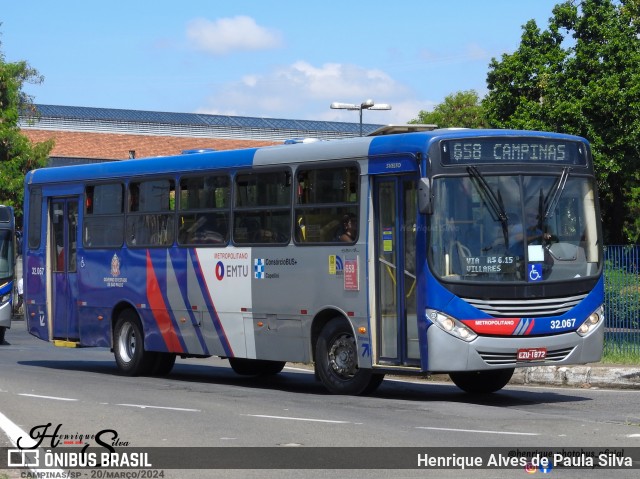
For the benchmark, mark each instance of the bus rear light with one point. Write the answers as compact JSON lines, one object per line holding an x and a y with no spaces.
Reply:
{"x":591,"y":322}
{"x":450,"y":325}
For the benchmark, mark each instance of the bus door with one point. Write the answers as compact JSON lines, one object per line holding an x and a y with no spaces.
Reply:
{"x":395,"y":211}
{"x":63,"y":229}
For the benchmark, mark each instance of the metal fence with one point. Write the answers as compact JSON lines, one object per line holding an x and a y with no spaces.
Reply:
{"x":622,"y":299}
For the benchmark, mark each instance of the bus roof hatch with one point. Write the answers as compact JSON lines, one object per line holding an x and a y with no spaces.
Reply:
{"x":395,"y":129}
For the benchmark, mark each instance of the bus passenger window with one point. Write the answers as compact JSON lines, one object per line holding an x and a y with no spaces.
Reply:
{"x":262,"y":208}
{"x":104,"y":216}
{"x":204,"y":210}
{"x":150,"y":221}
{"x":326,"y":201}
{"x":35,"y":218}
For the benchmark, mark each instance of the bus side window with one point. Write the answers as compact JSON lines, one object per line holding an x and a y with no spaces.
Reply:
{"x":35,"y":218}
{"x":326,"y":200}
{"x":104,"y":216}
{"x":150,"y":221}
{"x":262,"y":208}
{"x":204,"y":210}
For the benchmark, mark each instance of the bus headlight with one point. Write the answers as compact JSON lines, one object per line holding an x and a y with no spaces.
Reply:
{"x":5,"y":298}
{"x":450,"y":325}
{"x":591,"y":322}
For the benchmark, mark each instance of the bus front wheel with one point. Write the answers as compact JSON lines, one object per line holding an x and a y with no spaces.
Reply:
{"x":482,"y":382}
{"x":337,"y":361}
{"x":128,"y":347}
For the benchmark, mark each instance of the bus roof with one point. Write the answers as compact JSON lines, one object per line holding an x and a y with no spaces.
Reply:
{"x":351,"y":148}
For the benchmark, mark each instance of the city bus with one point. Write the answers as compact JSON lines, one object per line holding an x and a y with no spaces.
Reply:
{"x":457,"y":251}
{"x":7,"y":267}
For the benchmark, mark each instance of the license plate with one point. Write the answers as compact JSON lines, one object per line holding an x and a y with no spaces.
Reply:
{"x":532,"y":354}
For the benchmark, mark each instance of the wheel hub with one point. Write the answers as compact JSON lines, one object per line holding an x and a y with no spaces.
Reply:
{"x":342,"y":356}
{"x":127,"y":342}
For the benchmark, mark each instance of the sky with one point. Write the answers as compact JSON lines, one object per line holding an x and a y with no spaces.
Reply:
{"x":260,"y":58}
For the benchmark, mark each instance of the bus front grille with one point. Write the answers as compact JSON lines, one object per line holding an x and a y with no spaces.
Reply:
{"x":504,"y":359}
{"x":526,"y":308}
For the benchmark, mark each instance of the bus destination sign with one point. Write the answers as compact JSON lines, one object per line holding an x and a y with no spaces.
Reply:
{"x":512,"y":150}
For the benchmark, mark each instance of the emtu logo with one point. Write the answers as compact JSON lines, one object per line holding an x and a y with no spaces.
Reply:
{"x":219,"y":270}
{"x":231,"y":271}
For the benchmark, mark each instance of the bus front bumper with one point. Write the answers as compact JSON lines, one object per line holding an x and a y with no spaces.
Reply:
{"x":447,"y":353}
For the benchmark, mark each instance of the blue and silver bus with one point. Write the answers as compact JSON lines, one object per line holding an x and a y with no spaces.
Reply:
{"x":7,"y":267}
{"x":467,"y":252}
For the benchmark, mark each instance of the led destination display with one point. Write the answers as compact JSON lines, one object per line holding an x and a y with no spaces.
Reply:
{"x":512,"y":150}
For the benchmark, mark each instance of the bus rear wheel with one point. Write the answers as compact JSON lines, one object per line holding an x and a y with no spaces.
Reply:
{"x":482,"y":382}
{"x":128,"y":346}
{"x":337,"y":361}
{"x":256,"y":367}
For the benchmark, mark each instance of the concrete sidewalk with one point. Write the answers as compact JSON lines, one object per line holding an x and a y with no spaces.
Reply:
{"x":587,"y":376}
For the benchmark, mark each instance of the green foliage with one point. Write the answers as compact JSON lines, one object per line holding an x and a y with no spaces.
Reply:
{"x":17,"y":154}
{"x":632,"y":228}
{"x":614,"y":353}
{"x":581,"y":76}
{"x":462,"y":109}
{"x":622,"y":298}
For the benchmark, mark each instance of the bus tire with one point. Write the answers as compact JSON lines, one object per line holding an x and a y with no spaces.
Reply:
{"x":163,"y":364}
{"x":2,"y":331}
{"x":128,"y":347}
{"x":256,"y":367}
{"x":336,"y":359}
{"x":482,"y":382}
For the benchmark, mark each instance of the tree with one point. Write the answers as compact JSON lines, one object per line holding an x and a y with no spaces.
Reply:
{"x":462,"y":109}
{"x":581,"y":76}
{"x":17,"y":154}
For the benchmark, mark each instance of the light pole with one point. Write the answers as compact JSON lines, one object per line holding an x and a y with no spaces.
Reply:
{"x":365,"y":105}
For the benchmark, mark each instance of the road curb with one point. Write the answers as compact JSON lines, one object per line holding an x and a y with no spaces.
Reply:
{"x":580,"y":376}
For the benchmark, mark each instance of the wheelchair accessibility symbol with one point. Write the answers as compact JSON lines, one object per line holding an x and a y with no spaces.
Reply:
{"x":535,"y":271}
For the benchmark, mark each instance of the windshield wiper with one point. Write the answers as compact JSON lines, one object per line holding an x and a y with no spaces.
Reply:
{"x":558,"y":187}
{"x":495,"y":203}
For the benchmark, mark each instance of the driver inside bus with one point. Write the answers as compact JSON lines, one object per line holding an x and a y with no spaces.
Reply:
{"x":534,"y":232}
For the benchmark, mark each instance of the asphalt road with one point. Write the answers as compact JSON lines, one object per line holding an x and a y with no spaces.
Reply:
{"x":204,"y":404}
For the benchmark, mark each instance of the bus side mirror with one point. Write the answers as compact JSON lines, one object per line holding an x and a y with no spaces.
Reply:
{"x":424,"y":197}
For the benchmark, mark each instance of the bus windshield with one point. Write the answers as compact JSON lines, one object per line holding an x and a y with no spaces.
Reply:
{"x":6,"y":254}
{"x":522,"y":228}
